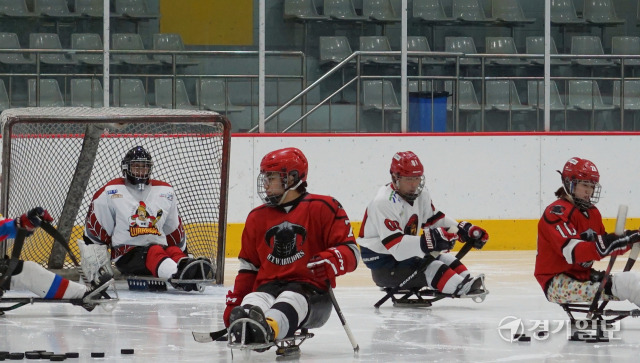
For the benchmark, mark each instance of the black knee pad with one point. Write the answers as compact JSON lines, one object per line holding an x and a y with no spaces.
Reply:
{"x":319,"y":310}
{"x":4,"y":267}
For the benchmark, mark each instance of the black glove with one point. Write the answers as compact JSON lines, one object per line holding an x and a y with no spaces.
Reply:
{"x":32,"y":219}
{"x":610,"y":242}
{"x":437,"y":239}
{"x":474,"y":234}
{"x":589,"y":235}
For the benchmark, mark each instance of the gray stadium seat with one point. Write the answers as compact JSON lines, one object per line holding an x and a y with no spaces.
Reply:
{"x":420,"y":44}
{"x":503,"y":45}
{"x":87,"y":41}
{"x":631,"y":95}
{"x":376,"y":44}
{"x":130,"y":41}
{"x":430,"y":11}
{"x":90,"y":8}
{"x":535,"y":45}
{"x":136,"y":9}
{"x":50,"y":95}
{"x":53,"y":8}
{"x":164,"y":94}
{"x":503,"y":95}
{"x":380,"y":11}
{"x":342,"y":10}
{"x":379,"y":95}
{"x":86,"y":92}
{"x":468,"y":100}
{"x":211,"y":95}
{"x":535,"y":94}
{"x":302,"y":10}
{"x":334,"y":49}
{"x":588,"y":45}
{"x":585,"y":95}
{"x":626,"y":45}
{"x":4,"y":97}
{"x":470,"y":11}
{"x":564,"y":12}
{"x":601,"y":12}
{"x":15,"y":9}
{"x":462,"y":45}
{"x":171,"y":41}
{"x":509,"y":11}
{"x":128,"y":92}
{"x":49,"y":41}
{"x":10,"y":41}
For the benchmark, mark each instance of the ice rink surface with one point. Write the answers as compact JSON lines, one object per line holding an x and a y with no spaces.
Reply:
{"x":158,"y":325}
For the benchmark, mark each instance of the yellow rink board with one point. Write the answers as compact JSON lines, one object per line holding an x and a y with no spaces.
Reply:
{"x":504,"y":235}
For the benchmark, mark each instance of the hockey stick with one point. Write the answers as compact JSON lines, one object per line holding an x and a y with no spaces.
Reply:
{"x":209,"y":337}
{"x":57,"y":236}
{"x":15,"y":256}
{"x":352,"y":339}
{"x":633,"y":256}
{"x":620,"y":222}
{"x":421,"y":268}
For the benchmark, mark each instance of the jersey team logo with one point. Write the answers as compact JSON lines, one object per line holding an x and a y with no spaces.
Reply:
{"x":284,"y":239}
{"x":141,"y":222}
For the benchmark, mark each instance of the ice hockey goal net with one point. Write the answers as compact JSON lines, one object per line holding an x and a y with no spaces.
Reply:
{"x":58,"y":158}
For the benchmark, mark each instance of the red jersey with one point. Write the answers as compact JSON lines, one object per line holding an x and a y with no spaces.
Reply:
{"x":278,"y":242}
{"x":560,"y":249}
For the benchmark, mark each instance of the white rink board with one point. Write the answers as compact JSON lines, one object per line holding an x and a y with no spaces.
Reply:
{"x":470,"y":177}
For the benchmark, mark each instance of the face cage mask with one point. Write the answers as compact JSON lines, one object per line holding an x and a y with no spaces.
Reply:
{"x":141,"y":179}
{"x":570,"y":188}
{"x":409,"y":197}
{"x":273,"y":200}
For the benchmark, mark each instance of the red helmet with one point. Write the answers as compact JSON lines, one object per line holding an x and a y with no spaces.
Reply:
{"x":580,"y":169}
{"x":406,"y":163}
{"x":287,"y":162}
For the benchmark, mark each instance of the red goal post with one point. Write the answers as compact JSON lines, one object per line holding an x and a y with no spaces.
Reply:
{"x":59,"y":157}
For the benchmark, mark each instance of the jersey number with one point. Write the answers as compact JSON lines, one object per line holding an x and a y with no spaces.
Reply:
{"x":566,"y":231}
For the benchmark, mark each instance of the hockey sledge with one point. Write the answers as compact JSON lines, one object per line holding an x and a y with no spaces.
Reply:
{"x":287,"y":347}
{"x":426,"y":296}
{"x":107,"y":303}
{"x":594,"y":329}
{"x":150,"y":283}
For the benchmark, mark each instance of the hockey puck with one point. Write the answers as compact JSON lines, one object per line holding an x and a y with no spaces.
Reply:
{"x":516,"y":336}
{"x":32,"y":355}
{"x":97,"y":354}
{"x":542,"y":333}
{"x":126,"y":351}
{"x":58,"y":357}
{"x":16,"y":356}
{"x":45,"y":354}
{"x":524,"y":338}
{"x":72,"y":354}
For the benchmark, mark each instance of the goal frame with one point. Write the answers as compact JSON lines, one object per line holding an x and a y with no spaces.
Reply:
{"x":113,"y":117}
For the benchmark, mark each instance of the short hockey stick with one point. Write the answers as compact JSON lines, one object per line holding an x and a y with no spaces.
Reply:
{"x":633,"y":256}
{"x":57,"y":236}
{"x":209,"y":337}
{"x":352,"y":339}
{"x":621,"y":219}
{"x":15,"y":256}
{"x":421,"y":268}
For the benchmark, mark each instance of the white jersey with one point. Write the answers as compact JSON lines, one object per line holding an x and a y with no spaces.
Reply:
{"x":391,"y":227}
{"x":124,"y":217}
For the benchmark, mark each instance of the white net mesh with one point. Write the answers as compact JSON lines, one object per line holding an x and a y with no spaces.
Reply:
{"x":42,"y":148}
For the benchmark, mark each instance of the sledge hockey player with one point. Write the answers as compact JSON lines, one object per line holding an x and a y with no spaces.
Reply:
{"x":401,"y":226}
{"x":292,"y":246}
{"x":571,"y":237}
{"x":137,"y":218}
{"x":40,"y":281}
